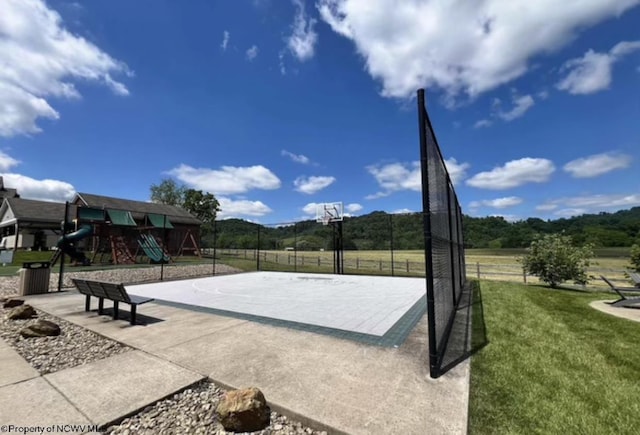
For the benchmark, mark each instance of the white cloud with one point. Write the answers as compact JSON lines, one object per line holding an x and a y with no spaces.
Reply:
{"x":570,"y":212}
{"x":410,"y":44}
{"x":310,"y":208}
{"x":7,"y":162}
{"x":457,"y":171}
{"x":252,"y":53}
{"x":593,"y":203}
{"x":520,"y":106}
{"x":402,"y":211}
{"x":225,"y":40}
{"x":482,"y":123}
{"x":597,"y":164}
{"x":546,"y":207}
{"x":228,"y":179}
{"x":500,"y":203}
{"x":40,"y":59}
{"x":311,"y":185}
{"x":301,"y":43}
{"x":394,"y":177}
{"x":298,"y":158}
{"x":42,"y":190}
{"x":377,"y":195}
{"x":237,"y":208}
{"x":353,"y":208}
{"x":513,"y":174}
{"x":592,"y":72}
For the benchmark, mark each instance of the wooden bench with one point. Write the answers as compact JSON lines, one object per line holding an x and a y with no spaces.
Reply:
{"x":635,"y":277}
{"x":111,"y":291}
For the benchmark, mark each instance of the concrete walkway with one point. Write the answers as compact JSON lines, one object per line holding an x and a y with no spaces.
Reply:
{"x":625,"y":313}
{"x":326,"y":382}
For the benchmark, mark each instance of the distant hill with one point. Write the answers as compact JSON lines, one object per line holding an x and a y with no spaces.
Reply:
{"x":375,"y":231}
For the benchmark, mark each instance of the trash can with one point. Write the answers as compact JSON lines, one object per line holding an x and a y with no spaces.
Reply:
{"x":34,"y":277}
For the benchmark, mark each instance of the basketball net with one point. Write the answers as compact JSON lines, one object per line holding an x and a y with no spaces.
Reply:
{"x":325,"y":220}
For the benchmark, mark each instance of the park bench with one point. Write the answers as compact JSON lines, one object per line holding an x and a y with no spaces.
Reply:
{"x":624,"y":301}
{"x":111,"y":291}
{"x":635,"y":277}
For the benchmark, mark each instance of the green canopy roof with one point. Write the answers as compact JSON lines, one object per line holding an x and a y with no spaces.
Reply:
{"x":90,"y":214}
{"x":121,"y":217}
{"x":159,"y":221}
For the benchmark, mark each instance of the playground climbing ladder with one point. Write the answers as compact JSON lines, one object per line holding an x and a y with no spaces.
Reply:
{"x":121,"y":253}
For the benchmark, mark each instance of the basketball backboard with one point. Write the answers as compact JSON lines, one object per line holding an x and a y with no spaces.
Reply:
{"x":329,"y":212}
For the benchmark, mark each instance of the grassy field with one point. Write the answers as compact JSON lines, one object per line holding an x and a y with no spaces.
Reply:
{"x":553,"y":365}
{"x":500,"y":265}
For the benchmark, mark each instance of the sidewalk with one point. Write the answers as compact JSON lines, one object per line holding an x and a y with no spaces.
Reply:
{"x":93,"y":394}
{"x":325,"y":382}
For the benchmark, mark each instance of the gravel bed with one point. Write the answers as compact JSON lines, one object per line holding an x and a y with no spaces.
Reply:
{"x":193,"y":412}
{"x":9,"y":285}
{"x":73,"y":347}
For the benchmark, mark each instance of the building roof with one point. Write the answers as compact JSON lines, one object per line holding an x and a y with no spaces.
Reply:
{"x":7,"y":192}
{"x":137,"y":208}
{"x":30,"y":210}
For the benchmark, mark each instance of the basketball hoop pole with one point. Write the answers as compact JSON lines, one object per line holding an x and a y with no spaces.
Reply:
{"x":332,"y":214}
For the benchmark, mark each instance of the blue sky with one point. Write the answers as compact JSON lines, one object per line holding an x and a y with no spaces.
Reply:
{"x":276,"y":105}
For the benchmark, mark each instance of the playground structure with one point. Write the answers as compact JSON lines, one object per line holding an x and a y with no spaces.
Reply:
{"x":115,"y":236}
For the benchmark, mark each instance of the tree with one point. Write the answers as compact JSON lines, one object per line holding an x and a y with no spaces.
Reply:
{"x":204,"y":206}
{"x":168,"y":192}
{"x":635,"y":258}
{"x":554,"y":259}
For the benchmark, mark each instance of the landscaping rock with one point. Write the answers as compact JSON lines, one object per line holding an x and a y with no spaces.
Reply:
{"x":41,"y":328}
{"x":22,"y":312}
{"x":244,"y":410}
{"x":12,"y":303}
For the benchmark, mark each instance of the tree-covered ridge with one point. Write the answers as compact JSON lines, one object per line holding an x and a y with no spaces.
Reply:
{"x":380,"y":230}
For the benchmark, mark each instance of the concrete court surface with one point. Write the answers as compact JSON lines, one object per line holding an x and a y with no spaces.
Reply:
{"x":329,"y":383}
{"x":357,"y":303}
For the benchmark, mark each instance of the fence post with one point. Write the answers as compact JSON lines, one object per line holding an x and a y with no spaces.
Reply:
{"x":357,"y":263}
{"x":257,"y":251}
{"x":524,"y":275}
{"x":391,"y":243}
{"x":215,"y":239}
{"x":380,"y":265}
{"x":318,"y":261}
{"x":407,"y":265}
{"x":478,"y":269}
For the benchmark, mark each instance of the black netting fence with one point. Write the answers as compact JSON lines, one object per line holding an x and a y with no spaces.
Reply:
{"x":444,"y":245}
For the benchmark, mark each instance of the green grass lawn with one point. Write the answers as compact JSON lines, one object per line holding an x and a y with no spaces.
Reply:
{"x":554,"y":365}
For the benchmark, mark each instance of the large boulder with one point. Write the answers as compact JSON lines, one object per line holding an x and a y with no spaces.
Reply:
{"x":22,"y":312}
{"x":244,"y":410}
{"x":12,"y":303}
{"x":40,"y":328}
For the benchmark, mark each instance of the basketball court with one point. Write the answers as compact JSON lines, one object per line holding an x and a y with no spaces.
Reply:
{"x":374,"y":309}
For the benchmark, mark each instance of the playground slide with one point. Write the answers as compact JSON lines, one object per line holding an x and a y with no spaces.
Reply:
{"x":66,"y":244}
{"x":151,"y":248}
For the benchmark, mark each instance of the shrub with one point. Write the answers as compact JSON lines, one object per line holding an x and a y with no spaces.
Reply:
{"x":554,"y":259}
